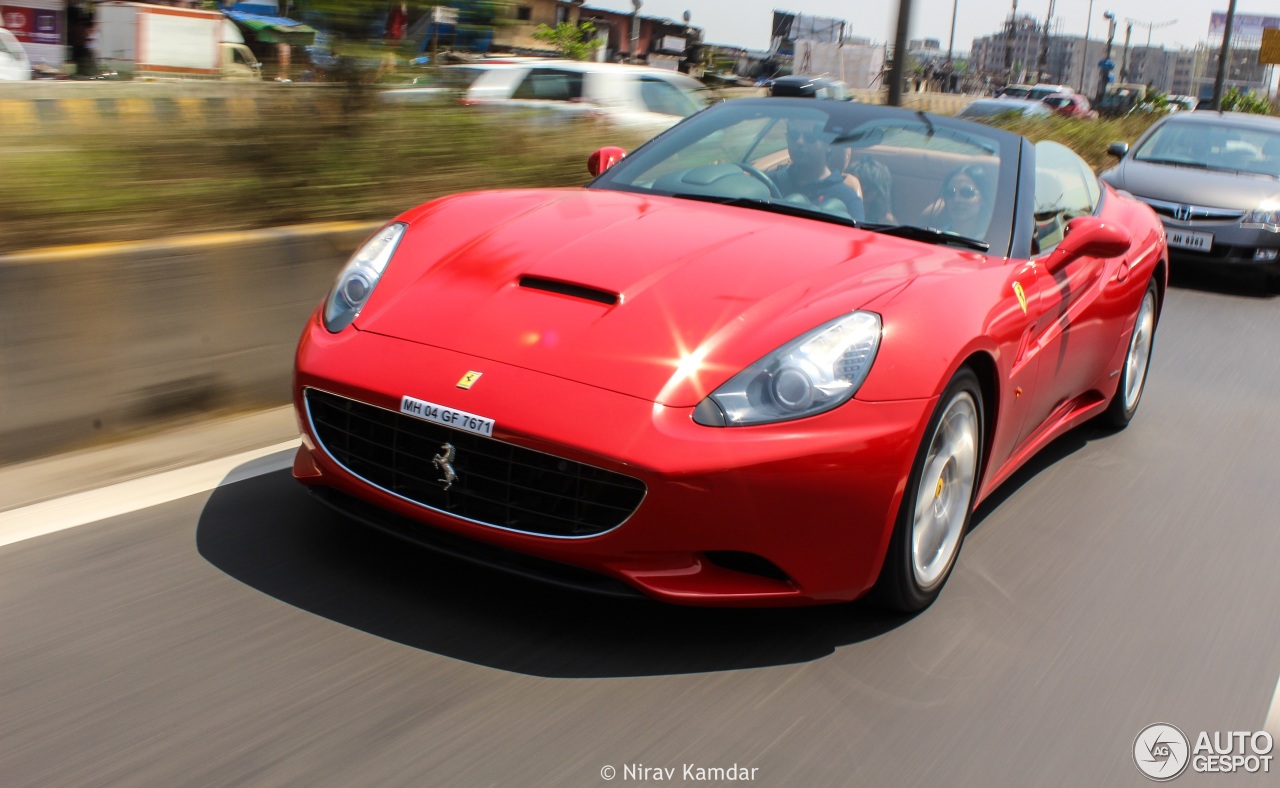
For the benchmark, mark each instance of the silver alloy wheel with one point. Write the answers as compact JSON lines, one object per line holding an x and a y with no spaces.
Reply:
{"x":1135,"y":364}
{"x":945,"y":491}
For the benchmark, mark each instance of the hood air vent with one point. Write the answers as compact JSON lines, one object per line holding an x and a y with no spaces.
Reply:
{"x":564,"y":288}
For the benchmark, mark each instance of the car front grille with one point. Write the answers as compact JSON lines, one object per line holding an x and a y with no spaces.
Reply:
{"x":498,"y":484}
{"x":1193,"y":213}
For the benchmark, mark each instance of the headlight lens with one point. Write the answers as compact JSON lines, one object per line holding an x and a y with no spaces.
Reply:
{"x":812,"y":374}
{"x":355,"y":284}
{"x":1266,"y":218}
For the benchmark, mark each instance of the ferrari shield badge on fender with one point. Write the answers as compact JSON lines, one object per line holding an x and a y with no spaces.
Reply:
{"x":469,"y":379}
{"x":1020,"y":293}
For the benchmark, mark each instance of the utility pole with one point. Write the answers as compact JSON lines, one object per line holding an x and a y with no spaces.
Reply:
{"x":1223,"y":58}
{"x":955,"y":6}
{"x":898,"y":71}
{"x":1084,"y":56}
{"x":1124,"y":56}
{"x":1044,"y":45}
{"x":1146,"y":55}
{"x":1009,"y":29}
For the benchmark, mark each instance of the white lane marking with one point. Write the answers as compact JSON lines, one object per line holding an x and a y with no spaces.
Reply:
{"x":70,"y":511}
{"x":1272,"y":725}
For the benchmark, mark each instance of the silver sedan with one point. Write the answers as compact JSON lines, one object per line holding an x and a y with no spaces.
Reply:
{"x":1214,"y":179}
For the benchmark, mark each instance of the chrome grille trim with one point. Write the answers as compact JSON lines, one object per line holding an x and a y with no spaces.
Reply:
{"x":1192,"y":213}
{"x":589,"y":483}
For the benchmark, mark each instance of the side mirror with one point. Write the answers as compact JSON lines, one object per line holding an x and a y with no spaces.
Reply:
{"x":604,"y":158}
{"x":1089,"y":236}
{"x":1118,"y":149}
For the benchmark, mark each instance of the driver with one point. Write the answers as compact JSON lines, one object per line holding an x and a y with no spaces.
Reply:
{"x":808,"y":179}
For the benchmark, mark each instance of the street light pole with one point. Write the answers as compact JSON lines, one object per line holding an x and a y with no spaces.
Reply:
{"x":1106,"y":64}
{"x":635,"y":27}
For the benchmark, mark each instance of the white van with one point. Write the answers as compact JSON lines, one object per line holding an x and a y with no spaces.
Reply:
{"x":13,"y":58}
{"x":647,"y":99}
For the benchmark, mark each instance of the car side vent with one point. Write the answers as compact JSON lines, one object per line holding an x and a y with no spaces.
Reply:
{"x":564,"y":288}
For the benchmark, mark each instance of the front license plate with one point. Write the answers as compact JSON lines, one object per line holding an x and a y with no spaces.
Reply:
{"x":1187,"y":239}
{"x":458,"y":419}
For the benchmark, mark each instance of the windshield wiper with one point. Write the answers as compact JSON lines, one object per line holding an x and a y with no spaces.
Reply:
{"x":1177,"y":163}
{"x":785,"y":208}
{"x":928,"y":235}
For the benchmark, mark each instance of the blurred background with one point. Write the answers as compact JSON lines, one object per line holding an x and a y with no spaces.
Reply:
{"x":182,"y":179}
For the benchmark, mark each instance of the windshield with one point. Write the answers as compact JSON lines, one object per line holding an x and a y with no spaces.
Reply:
{"x":1214,"y":147}
{"x":836,"y":161}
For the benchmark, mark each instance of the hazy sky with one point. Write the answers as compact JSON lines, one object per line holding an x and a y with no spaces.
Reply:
{"x":746,"y":22}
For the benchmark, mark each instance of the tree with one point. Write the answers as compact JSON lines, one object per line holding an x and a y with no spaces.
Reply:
{"x":1235,"y":101}
{"x":575,"y":42}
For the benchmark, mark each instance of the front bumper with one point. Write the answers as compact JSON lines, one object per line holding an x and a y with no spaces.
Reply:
{"x":781,"y":514}
{"x":1230,"y":244}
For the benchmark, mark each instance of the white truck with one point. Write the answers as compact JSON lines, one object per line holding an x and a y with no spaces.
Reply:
{"x":141,"y":40}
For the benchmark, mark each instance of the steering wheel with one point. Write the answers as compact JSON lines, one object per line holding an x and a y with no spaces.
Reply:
{"x":774,"y":191}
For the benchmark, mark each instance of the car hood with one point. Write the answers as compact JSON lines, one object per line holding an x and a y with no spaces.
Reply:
{"x":653,"y":297}
{"x":1190,"y":186}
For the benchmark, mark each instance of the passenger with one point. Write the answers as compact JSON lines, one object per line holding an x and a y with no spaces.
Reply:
{"x":809,"y":174}
{"x":966,"y":201}
{"x":877,"y":190}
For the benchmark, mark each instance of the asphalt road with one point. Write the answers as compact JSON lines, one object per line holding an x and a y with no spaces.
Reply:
{"x":248,"y":636}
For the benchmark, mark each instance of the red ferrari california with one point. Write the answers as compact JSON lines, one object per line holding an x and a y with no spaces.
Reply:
{"x":775,"y":356}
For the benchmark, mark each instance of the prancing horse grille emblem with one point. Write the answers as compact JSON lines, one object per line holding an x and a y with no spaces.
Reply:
{"x":1182,"y":213}
{"x":443,"y":462}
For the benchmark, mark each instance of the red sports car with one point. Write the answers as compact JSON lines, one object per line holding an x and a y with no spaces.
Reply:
{"x":774,"y":356}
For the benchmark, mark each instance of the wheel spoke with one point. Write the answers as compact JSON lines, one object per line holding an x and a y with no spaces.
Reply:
{"x":1135,"y":372}
{"x":944,"y":490}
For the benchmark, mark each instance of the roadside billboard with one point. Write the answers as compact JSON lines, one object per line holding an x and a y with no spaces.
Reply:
{"x":40,"y":25}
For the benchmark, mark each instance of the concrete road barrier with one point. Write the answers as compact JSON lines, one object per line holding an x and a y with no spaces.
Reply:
{"x":100,"y":340}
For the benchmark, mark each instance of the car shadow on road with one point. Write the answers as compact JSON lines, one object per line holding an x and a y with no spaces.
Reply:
{"x":269,"y":534}
{"x":1061,"y":448}
{"x":1250,"y":283}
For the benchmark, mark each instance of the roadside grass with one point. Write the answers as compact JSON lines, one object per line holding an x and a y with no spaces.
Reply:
{"x":337,"y":157}
{"x":303,"y":163}
{"x":1088,"y":138}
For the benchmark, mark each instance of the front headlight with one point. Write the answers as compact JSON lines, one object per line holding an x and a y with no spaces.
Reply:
{"x":355,"y":283}
{"x":1264,"y":218}
{"x":812,"y":374}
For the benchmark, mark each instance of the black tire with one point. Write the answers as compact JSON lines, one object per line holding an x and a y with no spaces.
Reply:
{"x":909,"y":581}
{"x":1133,"y":375}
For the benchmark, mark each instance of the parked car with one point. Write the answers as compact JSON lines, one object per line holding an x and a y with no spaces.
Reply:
{"x":1014,"y":91}
{"x":1042,"y":91}
{"x":701,"y":379}
{"x":647,"y":99}
{"x":14,"y":64}
{"x":995,"y":107}
{"x":799,"y":86}
{"x":1214,"y":179}
{"x":1182,"y":103}
{"x":1072,"y":105}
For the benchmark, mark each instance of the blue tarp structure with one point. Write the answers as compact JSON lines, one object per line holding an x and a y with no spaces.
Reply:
{"x":270,"y":29}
